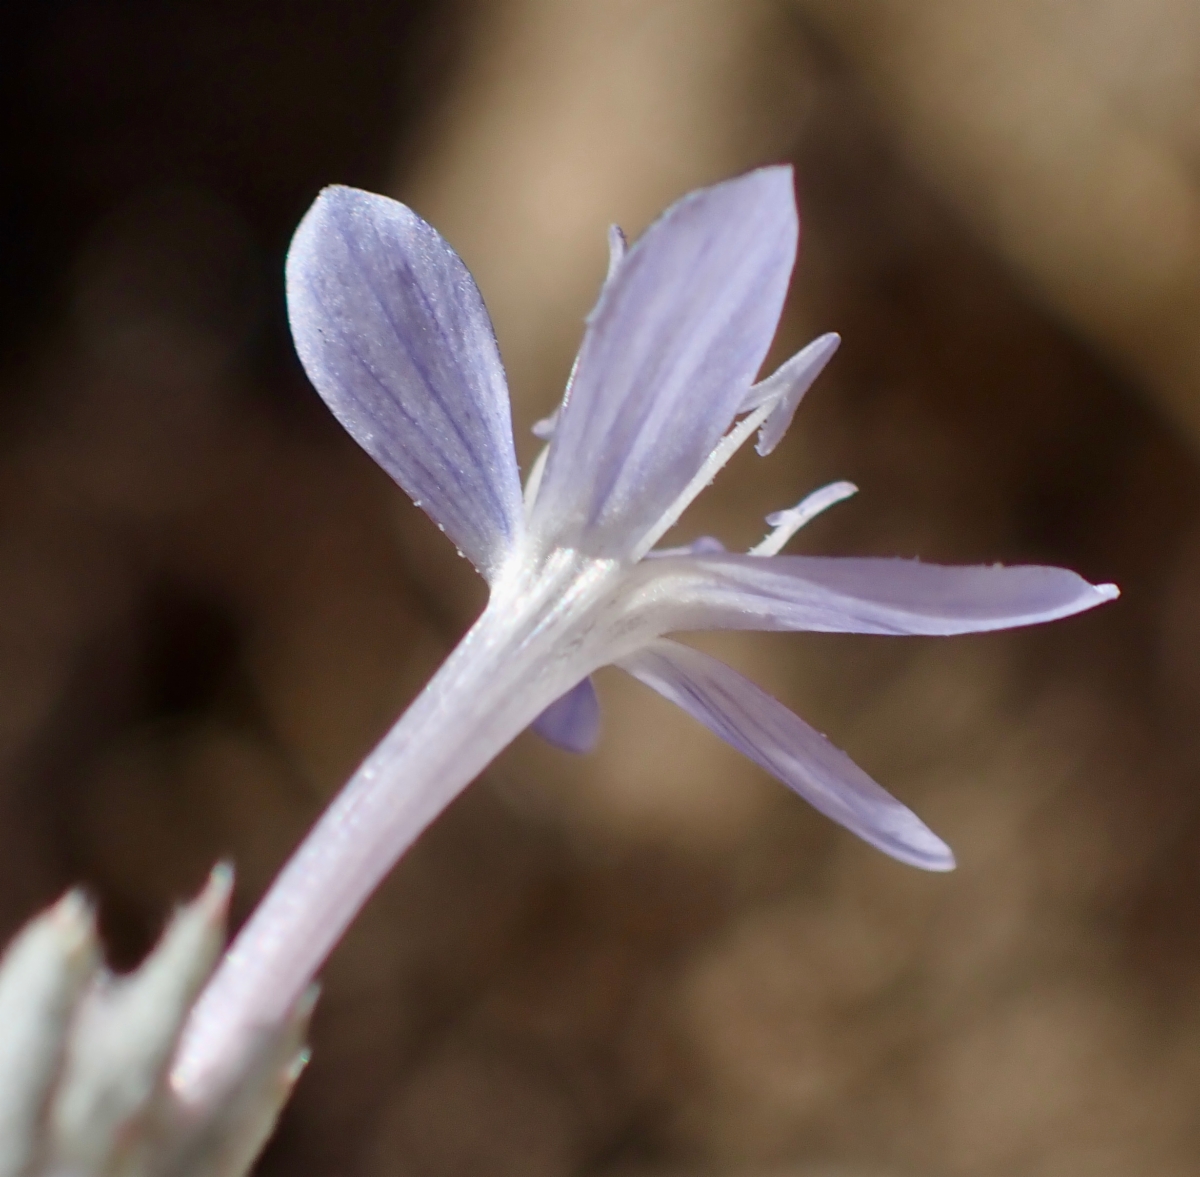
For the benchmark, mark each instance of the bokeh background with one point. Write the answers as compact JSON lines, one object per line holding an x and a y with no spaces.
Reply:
{"x":654,"y":960}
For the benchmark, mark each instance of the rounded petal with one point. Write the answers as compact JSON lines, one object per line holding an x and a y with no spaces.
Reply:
{"x":671,"y":349}
{"x":393,"y":333}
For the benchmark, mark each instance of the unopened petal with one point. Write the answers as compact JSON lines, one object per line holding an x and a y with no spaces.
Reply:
{"x":393,"y":333}
{"x":572,"y":721}
{"x":785,"y":746}
{"x":670,"y":351}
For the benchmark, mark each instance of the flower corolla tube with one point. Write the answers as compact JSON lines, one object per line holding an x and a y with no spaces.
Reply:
{"x":393,"y":333}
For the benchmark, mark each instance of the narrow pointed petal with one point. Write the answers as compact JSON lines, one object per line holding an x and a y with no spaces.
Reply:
{"x":393,"y":333}
{"x":571,"y":722}
{"x":867,"y":595}
{"x":779,"y":741}
{"x":786,"y":386}
{"x":670,"y":351}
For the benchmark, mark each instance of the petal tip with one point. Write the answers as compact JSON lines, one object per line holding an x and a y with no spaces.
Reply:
{"x":335,"y":192}
{"x":775,"y":173}
{"x":917,"y":845}
{"x":941,"y":863}
{"x":332,"y":201}
{"x":769,"y":188}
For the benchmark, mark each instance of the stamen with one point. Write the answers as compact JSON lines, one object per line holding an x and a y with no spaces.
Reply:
{"x":705,"y":545}
{"x":616,"y":250}
{"x":787,"y":523}
{"x":536,"y":471}
{"x":544,"y":429}
{"x":786,"y":387}
{"x":722,"y":452}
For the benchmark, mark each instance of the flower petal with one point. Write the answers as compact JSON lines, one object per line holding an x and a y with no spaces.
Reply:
{"x":670,"y":351}
{"x":867,"y":595}
{"x":393,"y":333}
{"x":571,"y":722}
{"x":782,"y":743}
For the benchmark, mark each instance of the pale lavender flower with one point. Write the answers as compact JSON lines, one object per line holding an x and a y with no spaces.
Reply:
{"x":393,"y":332}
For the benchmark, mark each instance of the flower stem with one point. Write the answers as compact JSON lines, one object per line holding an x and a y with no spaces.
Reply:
{"x":509,"y":667}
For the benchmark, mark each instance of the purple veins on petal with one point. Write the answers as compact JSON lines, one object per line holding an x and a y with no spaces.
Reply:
{"x":572,"y":721}
{"x":869,"y":595}
{"x":780,"y":742}
{"x":668,"y":356}
{"x":393,"y":333}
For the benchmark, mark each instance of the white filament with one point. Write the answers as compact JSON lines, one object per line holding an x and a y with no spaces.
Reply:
{"x":787,"y":523}
{"x":722,"y":452}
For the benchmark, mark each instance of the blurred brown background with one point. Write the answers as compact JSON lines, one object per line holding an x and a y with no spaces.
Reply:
{"x":652,"y":961}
